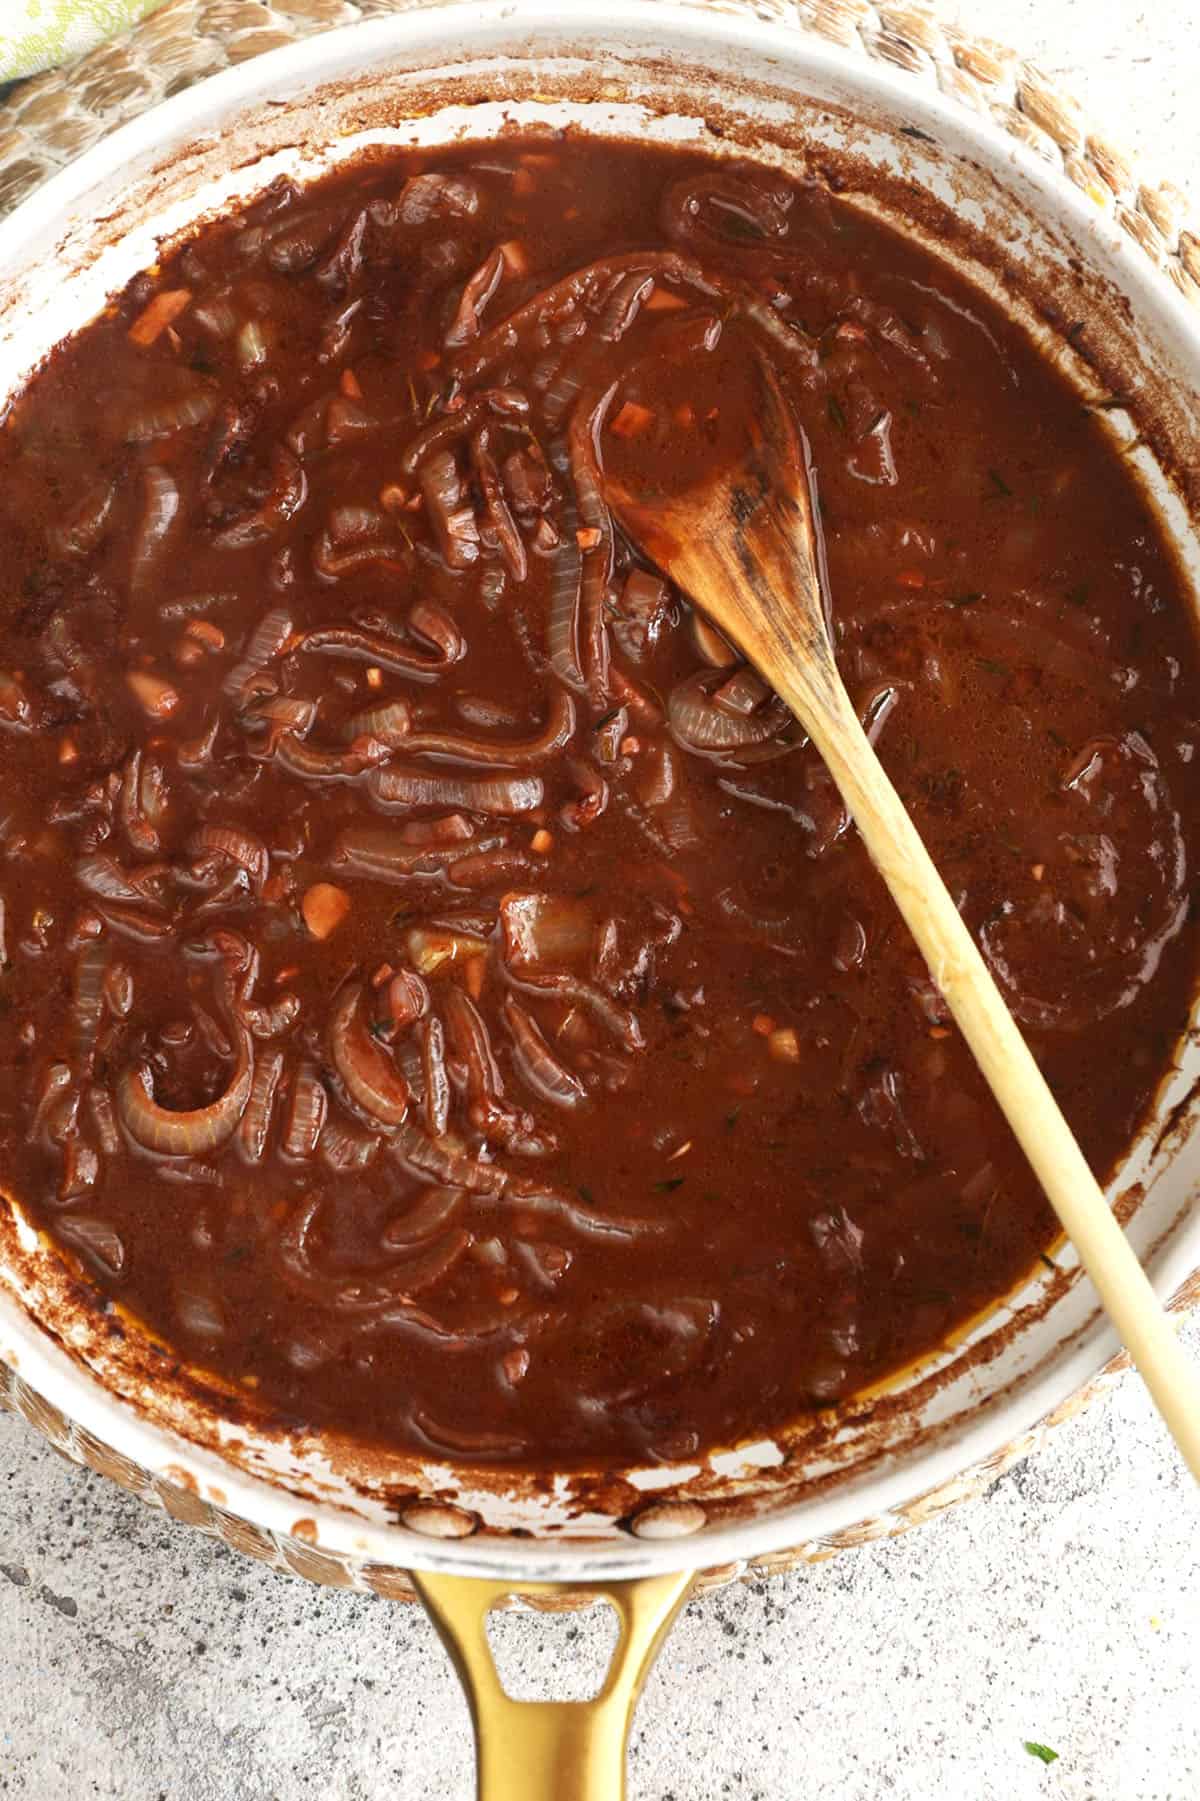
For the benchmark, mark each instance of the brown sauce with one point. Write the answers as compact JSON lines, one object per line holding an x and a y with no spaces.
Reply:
{"x":440,"y":988}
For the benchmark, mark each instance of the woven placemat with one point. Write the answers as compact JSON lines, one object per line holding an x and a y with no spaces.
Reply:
{"x":49,"y":120}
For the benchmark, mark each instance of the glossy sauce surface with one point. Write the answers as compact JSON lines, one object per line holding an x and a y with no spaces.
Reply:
{"x":441,"y":988}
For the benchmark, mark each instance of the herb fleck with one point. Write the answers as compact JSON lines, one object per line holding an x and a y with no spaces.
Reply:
{"x":944,"y":788}
{"x":992,"y":666}
{"x":585,"y":1194}
{"x":998,"y":482}
{"x":966,"y":600}
{"x":1042,"y":1752}
{"x":732,"y":1117}
{"x":837,"y":416}
{"x":669,"y":1184}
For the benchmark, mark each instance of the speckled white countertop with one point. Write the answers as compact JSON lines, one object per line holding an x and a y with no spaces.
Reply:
{"x":140,"y":1662}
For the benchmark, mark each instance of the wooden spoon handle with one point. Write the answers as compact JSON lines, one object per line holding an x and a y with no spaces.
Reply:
{"x":958,"y":968}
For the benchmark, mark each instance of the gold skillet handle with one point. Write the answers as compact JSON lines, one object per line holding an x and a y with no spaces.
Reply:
{"x":551,"y":1750}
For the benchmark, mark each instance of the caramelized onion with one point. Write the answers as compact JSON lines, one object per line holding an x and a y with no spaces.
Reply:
{"x":436,"y":1100}
{"x":388,"y":724}
{"x":499,"y":753}
{"x":270,"y":1019}
{"x":620,"y":1021}
{"x":161,"y":507}
{"x":342,"y":264}
{"x":583,"y":444}
{"x":564,"y":611}
{"x":502,"y":403}
{"x":432,"y":1211}
{"x":308,"y":1105}
{"x":103,"y":877}
{"x":81,"y":1171}
{"x":84,"y":526}
{"x":712,"y":645}
{"x":589,"y":1220}
{"x":444,"y":1159}
{"x":255,"y":1122}
{"x":542,"y":1070}
{"x":757,"y":210}
{"x":173,"y":413}
{"x":309,"y":763}
{"x":488,"y":1111}
{"x":491,"y":868}
{"x":623,"y":304}
{"x":335,"y":339}
{"x":98,"y":1243}
{"x":553,"y":303}
{"x":452,"y":1441}
{"x":449,"y":510}
{"x":591,"y":796}
{"x":485,"y":1326}
{"x":139,"y":925}
{"x":105,"y":1121}
{"x":433,"y":196}
{"x":546,"y":931}
{"x":500,"y":521}
{"x":447,"y":828}
{"x":142,"y":802}
{"x":16,"y":709}
{"x":57,"y":1104}
{"x":241,"y":847}
{"x":384,"y":652}
{"x":345,"y":1148}
{"x":190,"y":1133}
{"x":700,"y":723}
{"x":331,"y":563}
{"x":371,"y":1078}
{"x":406,"y":999}
{"x":87,"y":1001}
{"x":360,"y":1296}
{"x":292,"y":245}
{"x":429,"y":947}
{"x":475,"y":295}
{"x":289,"y":490}
{"x":384,"y":853}
{"x":266,"y":642}
{"x":437,"y":627}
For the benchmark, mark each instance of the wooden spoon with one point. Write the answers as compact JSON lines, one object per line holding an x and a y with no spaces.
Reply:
{"x":740,"y":542}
